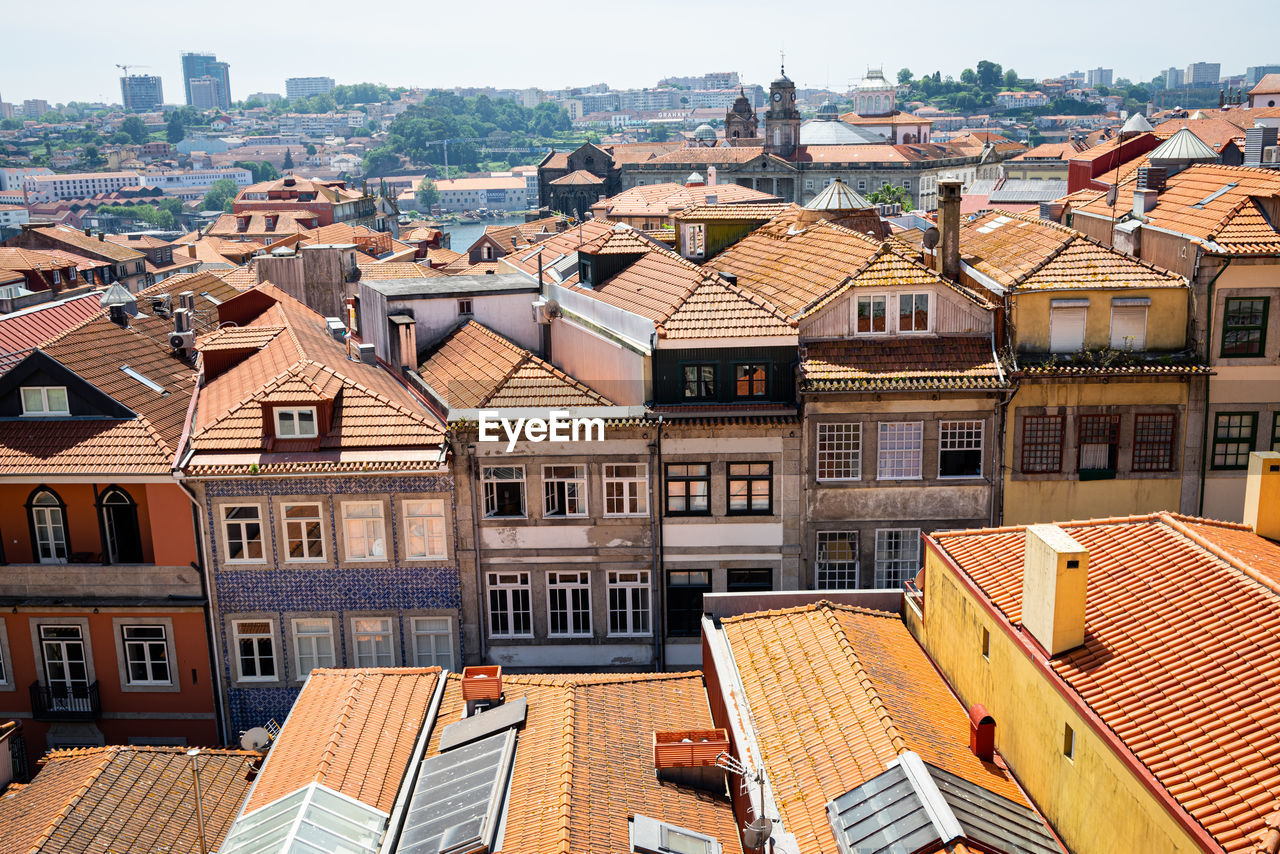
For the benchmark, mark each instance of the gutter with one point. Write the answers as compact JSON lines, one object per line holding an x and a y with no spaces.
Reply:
{"x":1204,"y":439}
{"x":475,"y":532}
{"x":659,"y":558}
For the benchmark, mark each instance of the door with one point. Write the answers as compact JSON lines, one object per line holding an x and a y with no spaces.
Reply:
{"x":120,"y":526}
{"x":65,"y":669}
{"x":50,"y":530}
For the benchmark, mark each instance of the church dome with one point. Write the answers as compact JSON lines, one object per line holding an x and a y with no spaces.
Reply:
{"x":874,"y":81}
{"x":704,"y":132}
{"x":828,"y":112}
{"x":741,"y":105}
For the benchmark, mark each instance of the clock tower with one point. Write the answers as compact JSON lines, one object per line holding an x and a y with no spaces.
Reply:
{"x":782,"y":121}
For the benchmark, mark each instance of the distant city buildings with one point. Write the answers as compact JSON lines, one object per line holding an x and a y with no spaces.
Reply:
{"x":1203,"y":73}
{"x":307,"y":87}
{"x":1254,"y":73}
{"x":264,"y":97}
{"x":34,"y":108}
{"x":714,"y":80}
{"x":141,"y":93}
{"x":1096,"y":77}
{"x":214,"y":88}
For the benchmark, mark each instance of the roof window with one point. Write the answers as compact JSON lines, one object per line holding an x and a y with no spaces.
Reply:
{"x":296,"y":423}
{"x":1215,"y":194}
{"x":149,"y":383}
{"x":44,"y":401}
{"x":651,"y":836}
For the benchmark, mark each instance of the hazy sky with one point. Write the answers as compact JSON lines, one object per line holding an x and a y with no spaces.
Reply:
{"x":552,"y":45}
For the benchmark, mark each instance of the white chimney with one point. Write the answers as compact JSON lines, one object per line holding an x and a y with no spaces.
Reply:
{"x":1055,"y":570}
{"x":1144,"y":201}
{"x":711,"y":176}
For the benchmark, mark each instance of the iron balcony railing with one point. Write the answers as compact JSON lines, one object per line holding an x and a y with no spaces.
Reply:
{"x":63,"y":703}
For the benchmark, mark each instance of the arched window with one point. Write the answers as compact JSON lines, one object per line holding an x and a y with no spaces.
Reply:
{"x":122,"y":540}
{"x":47,"y":515}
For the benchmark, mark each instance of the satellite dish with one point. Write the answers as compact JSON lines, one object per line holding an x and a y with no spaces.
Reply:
{"x":1111,"y":196}
{"x":255,"y":739}
{"x":931,"y":237}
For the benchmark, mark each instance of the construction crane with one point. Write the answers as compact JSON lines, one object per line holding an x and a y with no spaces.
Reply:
{"x":445,"y":144}
{"x":125,"y":68}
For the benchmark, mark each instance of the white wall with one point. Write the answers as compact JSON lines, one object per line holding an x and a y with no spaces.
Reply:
{"x":510,"y":315}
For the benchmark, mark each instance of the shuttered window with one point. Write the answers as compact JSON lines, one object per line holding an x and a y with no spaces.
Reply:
{"x":1066,"y":328}
{"x":1128,"y":327}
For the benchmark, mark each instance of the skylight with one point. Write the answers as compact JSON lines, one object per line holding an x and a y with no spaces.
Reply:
{"x":1215,"y":194}
{"x":211,"y":298}
{"x":312,"y":820}
{"x":149,"y":383}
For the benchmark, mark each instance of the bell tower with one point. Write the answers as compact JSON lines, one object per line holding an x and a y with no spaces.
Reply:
{"x":782,"y":121}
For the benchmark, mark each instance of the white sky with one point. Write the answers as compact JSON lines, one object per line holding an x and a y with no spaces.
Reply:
{"x":506,"y":44}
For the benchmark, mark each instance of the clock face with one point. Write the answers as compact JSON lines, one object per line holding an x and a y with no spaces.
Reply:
{"x":777,"y":96}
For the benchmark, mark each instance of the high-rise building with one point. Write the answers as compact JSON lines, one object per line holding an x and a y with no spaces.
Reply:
{"x":307,"y":87}
{"x":1203,"y":73}
{"x":206,"y":93}
{"x":1254,"y":73}
{"x":199,"y":65}
{"x":141,"y":93}
{"x":1173,"y":78}
{"x":1095,"y":77}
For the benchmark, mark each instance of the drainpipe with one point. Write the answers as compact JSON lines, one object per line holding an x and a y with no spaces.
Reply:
{"x":1208,"y":354}
{"x":659,"y":561}
{"x":475,"y":532}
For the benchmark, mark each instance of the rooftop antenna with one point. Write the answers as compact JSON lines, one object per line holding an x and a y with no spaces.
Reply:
{"x":757,"y":832}
{"x":782,"y":60}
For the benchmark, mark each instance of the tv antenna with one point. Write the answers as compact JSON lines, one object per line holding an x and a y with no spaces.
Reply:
{"x":757,"y":832}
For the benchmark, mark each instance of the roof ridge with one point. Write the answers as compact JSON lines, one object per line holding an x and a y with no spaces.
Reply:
{"x":863,"y":678}
{"x":566,"y":776}
{"x":1231,"y":214}
{"x":769,"y":613}
{"x":377,"y":395}
{"x":1074,"y":523}
{"x":1221,"y":553}
{"x":108,"y":754}
{"x":340,"y":726}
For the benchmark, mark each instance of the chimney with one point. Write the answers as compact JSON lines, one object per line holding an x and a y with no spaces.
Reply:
{"x":1262,"y":494}
{"x":1054,"y":573}
{"x":102,"y":236}
{"x":948,"y":257}
{"x":481,"y":684}
{"x":88,"y":232}
{"x":368,"y":354}
{"x":1143,"y":201}
{"x":711,"y":176}
{"x":982,"y":733}
{"x":1152,"y":178}
{"x":118,"y":315}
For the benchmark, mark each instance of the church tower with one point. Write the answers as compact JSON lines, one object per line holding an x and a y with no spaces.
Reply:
{"x":740,"y":120}
{"x":782,"y":121}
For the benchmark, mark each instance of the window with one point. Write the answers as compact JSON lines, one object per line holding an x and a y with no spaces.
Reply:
{"x":901,"y":446}
{"x":255,"y":649}
{"x":684,"y":601}
{"x":1244,"y":327}
{"x":432,"y":641}
{"x":698,"y":382}
{"x":1233,"y":437}
{"x":1099,"y":444}
{"x":625,"y":492}
{"x":913,"y":312}
{"x":503,"y":491}
{"x":1153,"y":437}
{"x":45,"y":400}
{"x":569,"y":604}
{"x":1067,"y":325}
{"x":695,"y":240}
{"x":313,"y":645}
{"x":871,"y":314}
{"x":839,"y":451}
{"x":960,"y":448}
{"x":564,"y":490}
{"x":750,"y":488}
{"x":1041,"y":444}
{"x":1129,"y":324}
{"x":424,"y":524}
{"x":372,"y":639}
{"x":48,"y":525}
{"x":510,"y":615}
{"x":837,"y":560}
{"x":742,"y":580}
{"x":688,"y":489}
{"x":749,"y":380}
{"x":862,"y":183}
{"x":242,"y":527}
{"x":363,"y":530}
{"x":296,"y":423}
{"x":464,"y":307}
{"x":986,"y":644}
{"x":1068,"y":741}
{"x":146,"y":655}
{"x":897,"y":556}
{"x":906,"y":184}
{"x":1275,"y":432}
{"x":628,"y":603}
{"x":302,"y":532}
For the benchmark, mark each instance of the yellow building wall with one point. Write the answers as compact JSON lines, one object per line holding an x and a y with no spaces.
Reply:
{"x":1064,"y":497}
{"x":1166,"y":317}
{"x":1095,"y":803}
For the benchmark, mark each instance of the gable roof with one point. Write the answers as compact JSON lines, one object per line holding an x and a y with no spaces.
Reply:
{"x":717,"y":309}
{"x":668,"y":198}
{"x":39,"y":324}
{"x":900,"y":364}
{"x":579,"y":177}
{"x":1181,"y":660}
{"x":121,"y":798}
{"x":77,"y":241}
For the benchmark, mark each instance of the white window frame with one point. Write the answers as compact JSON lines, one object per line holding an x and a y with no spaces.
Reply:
{"x":435,"y":526}
{"x":298,"y":637}
{"x":695,"y":239}
{"x":128,"y":644}
{"x":928,"y":311}
{"x":637,"y":593}
{"x":961,"y":436}
{"x":236,"y":637}
{"x":448,"y":635}
{"x":1128,"y":308}
{"x":294,"y":414}
{"x":494,"y":582}
{"x":826,"y":570}
{"x":347,"y":519}
{"x":227,"y":524}
{"x":489,"y":488}
{"x":286,"y":522}
{"x":894,"y":463}
{"x":893,"y":548}
{"x":871,"y":300}
{"x":634,"y":492}
{"x":576,"y":483}
{"x":849,"y":458}
{"x":46,"y":410}
{"x":573,"y":584}
{"x":359,"y":634}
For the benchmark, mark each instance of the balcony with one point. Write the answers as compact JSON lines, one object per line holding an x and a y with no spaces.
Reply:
{"x":59,"y":703}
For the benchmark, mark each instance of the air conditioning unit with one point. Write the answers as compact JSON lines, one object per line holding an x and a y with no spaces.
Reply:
{"x":182,"y":340}
{"x":1271,"y":155}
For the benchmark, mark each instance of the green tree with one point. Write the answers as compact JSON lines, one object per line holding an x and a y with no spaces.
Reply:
{"x":904,"y":76}
{"x":380,"y":161}
{"x":288,"y":158}
{"x":10,"y":124}
{"x":135,"y":128}
{"x":52,"y":117}
{"x":965,"y":102}
{"x":311,"y":150}
{"x":889,"y":194}
{"x":659,"y":133}
{"x":990,"y":74}
{"x":968,"y":77}
{"x":174,"y":130}
{"x":120,"y":138}
{"x":91,"y":156}
{"x":1010,"y":79}
{"x":173,"y":206}
{"x":427,"y":193}
{"x":221,"y":194}
{"x":261,"y":169}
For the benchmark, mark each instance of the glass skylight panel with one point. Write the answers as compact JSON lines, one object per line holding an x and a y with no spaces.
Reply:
{"x":312,"y":819}
{"x":149,"y":383}
{"x":459,"y":797}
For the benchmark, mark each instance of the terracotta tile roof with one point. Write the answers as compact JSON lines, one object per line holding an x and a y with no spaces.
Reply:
{"x":745,"y":211}
{"x":398,"y":270}
{"x":1181,"y":659}
{"x":1050,"y":151}
{"x":898,"y":364}
{"x":653,"y":286}
{"x":835,"y":694}
{"x":558,"y":245}
{"x":474,"y":367}
{"x":35,"y":326}
{"x":640,"y":152}
{"x":146,"y":241}
{"x":1140,"y":365}
{"x":577,"y":178}
{"x":441,"y":256}
{"x":666,"y":199}
{"x":124,"y":799}
{"x":620,"y":240}
{"x":876,"y":153}
{"x":717,"y":309}
{"x":584,"y":760}
{"x":1213,"y":130}
{"x":241,"y":278}
{"x":351,"y":730}
{"x":77,"y":241}
{"x":18,"y":258}
{"x":1025,"y":252}
{"x":694,"y":156}
{"x":288,"y":223}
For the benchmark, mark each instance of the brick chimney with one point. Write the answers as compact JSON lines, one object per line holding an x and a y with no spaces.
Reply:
{"x":1054,"y":572}
{"x":948,"y":252}
{"x":1262,"y":494}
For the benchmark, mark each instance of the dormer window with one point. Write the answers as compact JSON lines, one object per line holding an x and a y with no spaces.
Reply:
{"x":45,"y":400}
{"x":296,"y":423}
{"x":913,"y":312}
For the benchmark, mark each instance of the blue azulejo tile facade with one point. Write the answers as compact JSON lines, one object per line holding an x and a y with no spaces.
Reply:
{"x":274,"y":592}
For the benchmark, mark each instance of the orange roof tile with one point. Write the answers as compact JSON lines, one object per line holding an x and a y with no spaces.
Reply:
{"x":35,"y":326}
{"x":398,"y":270}
{"x":743,"y":211}
{"x":1182,"y":655}
{"x":666,"y":199}
{"x":717,"y":309}
{"x":902,"y":363}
